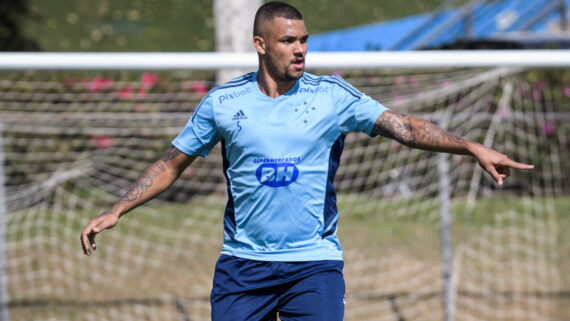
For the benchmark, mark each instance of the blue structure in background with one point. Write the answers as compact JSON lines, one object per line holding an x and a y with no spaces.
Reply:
{"x":520,"y":23}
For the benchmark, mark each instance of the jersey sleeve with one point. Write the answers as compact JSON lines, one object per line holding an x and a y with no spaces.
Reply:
{"x":200,"y":133}
{"x":356,"y":112}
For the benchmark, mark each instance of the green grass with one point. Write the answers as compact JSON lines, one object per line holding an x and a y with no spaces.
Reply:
{"x":374,"y":215}
{"x":172,"y":247}
{"x":361,"y":217}
{"x":366,"y":224}
{"x":177,"y":25}
{"x":134,"y":25}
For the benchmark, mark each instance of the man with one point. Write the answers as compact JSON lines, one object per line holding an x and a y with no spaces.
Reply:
{"x":282,"y":133}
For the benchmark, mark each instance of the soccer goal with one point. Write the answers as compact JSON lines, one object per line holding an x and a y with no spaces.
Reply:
{"x":425,"y":236}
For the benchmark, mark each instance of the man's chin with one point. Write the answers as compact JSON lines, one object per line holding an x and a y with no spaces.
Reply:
{"x":296,"y":75}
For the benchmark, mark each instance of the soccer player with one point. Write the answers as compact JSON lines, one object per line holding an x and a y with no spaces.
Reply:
{"x":282,"y":133}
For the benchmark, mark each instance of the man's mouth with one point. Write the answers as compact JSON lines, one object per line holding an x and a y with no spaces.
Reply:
{"x":299,"y":63}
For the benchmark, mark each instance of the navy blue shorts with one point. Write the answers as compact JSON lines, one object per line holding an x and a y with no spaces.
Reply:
{"x":248,"y":290}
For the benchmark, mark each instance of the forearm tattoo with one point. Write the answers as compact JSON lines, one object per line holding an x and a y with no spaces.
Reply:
{"x":415,"y":132}
{"x":146,"y":180}
{"x":432,"y":135}
{"x":137,"y":189}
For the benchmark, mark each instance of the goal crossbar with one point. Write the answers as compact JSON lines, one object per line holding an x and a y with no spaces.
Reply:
{"x":315,"y":60}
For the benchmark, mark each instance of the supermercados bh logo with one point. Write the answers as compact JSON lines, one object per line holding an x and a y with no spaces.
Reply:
{"x":277,"y":172}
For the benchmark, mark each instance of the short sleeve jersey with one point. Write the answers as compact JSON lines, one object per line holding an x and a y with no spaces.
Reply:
{"x":280,"y":157}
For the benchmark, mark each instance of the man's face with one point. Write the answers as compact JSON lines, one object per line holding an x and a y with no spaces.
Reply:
{"x":285,"y":48}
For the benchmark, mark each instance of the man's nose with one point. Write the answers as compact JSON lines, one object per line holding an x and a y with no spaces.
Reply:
{"x":299,"y":48}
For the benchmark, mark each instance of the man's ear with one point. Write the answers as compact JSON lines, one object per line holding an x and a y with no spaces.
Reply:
{"x":259,"y":44}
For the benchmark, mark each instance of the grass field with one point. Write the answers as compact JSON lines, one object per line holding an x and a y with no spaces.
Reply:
{"x":363,"y":219}
{"x":166,"y":250}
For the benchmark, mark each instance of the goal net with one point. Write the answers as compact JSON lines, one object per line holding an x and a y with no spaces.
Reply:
{"x":73,"y":141}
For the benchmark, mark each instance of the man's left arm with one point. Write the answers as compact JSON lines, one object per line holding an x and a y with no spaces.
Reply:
{"x":418,"y":133}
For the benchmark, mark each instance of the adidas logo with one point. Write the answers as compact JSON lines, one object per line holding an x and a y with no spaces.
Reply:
{"x":239,"y":115}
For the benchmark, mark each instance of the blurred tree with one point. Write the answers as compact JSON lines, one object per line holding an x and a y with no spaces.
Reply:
{"x":12,"y":14}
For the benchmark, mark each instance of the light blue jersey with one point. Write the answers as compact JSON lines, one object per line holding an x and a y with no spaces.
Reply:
{"x":280,"y":157}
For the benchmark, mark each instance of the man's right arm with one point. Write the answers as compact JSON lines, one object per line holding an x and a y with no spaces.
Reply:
{"x":154,"y":180}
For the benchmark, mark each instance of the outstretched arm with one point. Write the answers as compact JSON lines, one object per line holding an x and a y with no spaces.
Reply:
{"x":418,"y":133}
{"x":154,"y":180}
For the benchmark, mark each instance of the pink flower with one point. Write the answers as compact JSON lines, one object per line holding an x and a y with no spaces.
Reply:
{"x":446,"y":83}
{"x":338,"y":73}
{"x":413,"y":81}
{"x":141,"y":93}
{"x":548,"y":128}
{"x":199,"y":87}
{"x":126,"y":93}
{"x":399,"y":100}
{"x":399,"y":80}
{"x":98,"y":83}
{"x":396,"y":146}
{"x":540,"y":84}
{"x":567,"y":91}
{"x":102,"y":142}
{"x":535,"y":94}
{"x":149,"y":80}
{"x":70,"y":80}
{"x":504,"y":112}
{"x":190,"y":172}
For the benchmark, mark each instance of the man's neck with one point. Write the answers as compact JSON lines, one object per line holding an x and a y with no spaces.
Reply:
{"x":272,"y":87}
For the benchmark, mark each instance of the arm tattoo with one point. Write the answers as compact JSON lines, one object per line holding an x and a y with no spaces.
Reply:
{"x":393,"y":125}
{"x":415,"y":132}
{"x":435,"y":136}
{"x":146,"y":180}
{"x":137,"y":190}
{"x":170,"y":154}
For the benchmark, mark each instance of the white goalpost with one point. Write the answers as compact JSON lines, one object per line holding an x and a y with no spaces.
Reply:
{"x":4,"y":297}
{"x":79,"y":127}
{"x":316,"y":60}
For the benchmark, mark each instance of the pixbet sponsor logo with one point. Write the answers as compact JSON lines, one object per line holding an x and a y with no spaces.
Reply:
{"x":233,"y":94}
{"x":309,"y":90}
{"x":277,"y":174}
